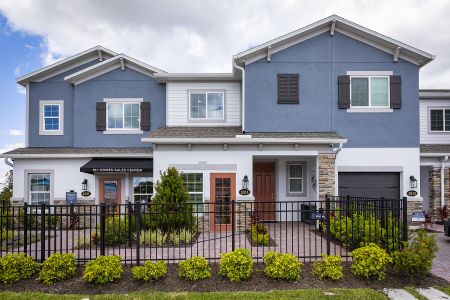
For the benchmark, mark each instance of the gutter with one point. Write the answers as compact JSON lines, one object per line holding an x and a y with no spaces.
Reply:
{"x":336,"y":152}
{"x":243,"y":95}
{"x":8,"y":162}
{"x":443,"y":160}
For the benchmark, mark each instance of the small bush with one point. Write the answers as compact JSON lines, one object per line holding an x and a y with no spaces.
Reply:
{"x":330,"y":267}
{"x":116,"y":231}
{"x":370,"y":261}
{"x":236,"y":265}
{"x":416,"y":258}
{"x":183,"y":236}
{"x":103,"y":269}
{"x":282,"y":266}
{"x":194,"y":268}
{"x":84,"y":241}
{"x":150,"y":271}
{"x":260,"y":234}
{"x":14,"y":267}
{"x":58,"y":267}
{"x":152,"y":237}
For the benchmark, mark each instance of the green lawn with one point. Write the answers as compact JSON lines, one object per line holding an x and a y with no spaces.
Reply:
{"x":353,"y":294}
{"x":445,"y":289}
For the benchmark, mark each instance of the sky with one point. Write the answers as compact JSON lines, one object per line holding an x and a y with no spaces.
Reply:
{"x":190,"y":36}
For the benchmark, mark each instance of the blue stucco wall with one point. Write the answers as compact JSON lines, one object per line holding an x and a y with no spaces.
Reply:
{"x":319,"y":61}
{"x":80,"y":112}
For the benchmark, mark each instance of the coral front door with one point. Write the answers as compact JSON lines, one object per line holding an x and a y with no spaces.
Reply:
{"x":264,"y":190}
{"x":223,"y":191}
{"x":110,"y":194}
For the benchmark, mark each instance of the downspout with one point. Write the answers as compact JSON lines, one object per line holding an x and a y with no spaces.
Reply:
{"x":444,"y":159}
{"x":336,"y":152}
{"x":243,"y":95}
{"x":8,"y":162}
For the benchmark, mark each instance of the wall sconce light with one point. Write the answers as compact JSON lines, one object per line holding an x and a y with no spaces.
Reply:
{"x":413,"y":182}
{"x":245,"y":183}
{"x":84,"y":185}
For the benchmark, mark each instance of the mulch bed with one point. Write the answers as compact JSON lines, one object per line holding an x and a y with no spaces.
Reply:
{"x":258,"y":282}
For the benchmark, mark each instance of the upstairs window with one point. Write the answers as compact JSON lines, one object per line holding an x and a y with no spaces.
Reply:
{"x":288,"y":88}
{"x":440,"y":120}
{"x":51,"y":117}
{"x":51,"y":121}
{"x":123,"y":115}
{"x":206,"y":106}
{"x":369,"y":91}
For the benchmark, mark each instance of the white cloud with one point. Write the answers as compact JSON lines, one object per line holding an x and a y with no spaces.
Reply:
{"x":20,"y":89}
{"x":15,"y":132}
{"x":181,"y":37}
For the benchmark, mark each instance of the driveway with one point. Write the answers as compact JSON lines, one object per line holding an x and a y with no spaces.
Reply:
{"x":441,"y":264}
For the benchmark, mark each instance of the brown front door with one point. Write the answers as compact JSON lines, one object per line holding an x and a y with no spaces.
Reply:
{"x":264,"y":190}
{"x":223,"y":191}
{"x":110,"y":193}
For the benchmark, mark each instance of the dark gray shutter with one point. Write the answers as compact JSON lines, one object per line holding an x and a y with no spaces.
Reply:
{"x":396,"y":91}
{"x":344,"y":91}
{"x":145,"y":116}
{"x":288,"y":88}
{"x":101,"y":116}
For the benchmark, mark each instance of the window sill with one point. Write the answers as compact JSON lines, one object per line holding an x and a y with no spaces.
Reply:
{"x":123,"y":132}
{"x":370,"y":110}
{"x":51,"y":132}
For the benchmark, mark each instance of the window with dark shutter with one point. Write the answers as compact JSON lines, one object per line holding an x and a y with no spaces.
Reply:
{"x":344,"y":91}
{"x":145,"y":116}
{"x":288,"y":88}
{"x":396,"y":91}
{"x":101,"y":116}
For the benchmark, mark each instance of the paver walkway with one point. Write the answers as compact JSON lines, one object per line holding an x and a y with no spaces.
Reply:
{"x":428,"y":293}
{"x":441,"y":264}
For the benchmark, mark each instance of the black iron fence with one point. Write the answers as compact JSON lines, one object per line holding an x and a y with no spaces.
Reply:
{"x":174,"y":232}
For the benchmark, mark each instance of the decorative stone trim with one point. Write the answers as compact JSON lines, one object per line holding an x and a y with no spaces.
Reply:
{"x":435,"y":191}
{"x":327,"y":175}
{"x":413,"y":206}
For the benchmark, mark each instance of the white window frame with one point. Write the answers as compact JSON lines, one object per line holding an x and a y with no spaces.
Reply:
{"x":288,"y":178}
{"x":141,"y":194}
{"x":203,"y":185}
{"x":443,"y":109}
{"x":369,"y":77}
{"x":29,"y":192}
{"x":42,"y":105}
{"x":206,"y":95}
{"x":123,"y":101}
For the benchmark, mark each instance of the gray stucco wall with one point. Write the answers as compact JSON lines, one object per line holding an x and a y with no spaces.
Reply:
{"x":319,"y":61}
{"x":80,"y":102}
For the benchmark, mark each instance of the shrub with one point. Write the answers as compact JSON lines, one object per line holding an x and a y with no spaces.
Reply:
{"x":282,"y":266}
{"x":58,"y":267}
{"x":152,"y":237}
{"x":236,"y":265}
{"x":416,"y":258}
{"x":150,"y":271}
{"x":329,"y":267}
{"x":183,"y":236}
{"x":116,"y":231}
{"x":14,"y":267}
{"x":51,"y":221}
{"x":84,"y":241}
{"x":194,"y":268}
{"x":370,"y":261}
{"x":103,"y":269}
{"x":260,"y":234}
{"x":443,"y":214}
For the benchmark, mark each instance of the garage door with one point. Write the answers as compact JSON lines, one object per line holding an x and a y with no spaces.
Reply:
{"x":369,"y":184}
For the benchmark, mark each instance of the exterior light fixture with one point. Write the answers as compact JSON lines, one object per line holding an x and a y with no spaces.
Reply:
{"x":245,"y":183}
{"x":413,"y":182}
{"x":84,"y":185}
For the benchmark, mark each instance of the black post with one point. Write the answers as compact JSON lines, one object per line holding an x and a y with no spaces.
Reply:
{"x":405,"y":219}
{"x":25,"y":227}
{"x":382,"y":211}
{"x":328,"y":218}
{"x":42,"y":237}
{"x":130,"y":213}
{"x":137,"y":210}
{"x":233,"y":224}
{"x":102,"y":228}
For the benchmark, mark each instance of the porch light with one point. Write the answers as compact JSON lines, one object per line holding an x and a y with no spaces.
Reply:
{"x":84,"y":185}
{"x":245,"y":182}
{"x":413,"y":182}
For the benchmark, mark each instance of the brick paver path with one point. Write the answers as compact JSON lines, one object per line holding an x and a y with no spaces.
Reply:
{"x":441,"y":264}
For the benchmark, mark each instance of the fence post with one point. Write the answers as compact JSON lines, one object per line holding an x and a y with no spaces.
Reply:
{"x":102,"y":228}
{"x":130,"y":213}
{"x":137,"y":210}
{"x":42,"y":237}
{"x":25,"y":227}
{"x":405,"y":219}
{"x":328,"y":218}
{"x":382,"y":211}
{"x":233,"y":224}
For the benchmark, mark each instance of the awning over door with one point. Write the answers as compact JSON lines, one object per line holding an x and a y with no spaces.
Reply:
{"x":118,"y":165}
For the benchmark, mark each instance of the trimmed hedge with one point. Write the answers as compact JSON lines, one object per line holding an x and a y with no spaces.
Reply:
{"x":103,"y":269}
{"x":236,"y":265}
{"x":150,"y":271}
{"x":194,"y":268}
{"x":14,"y":267}
{"x":282,"y":266}
{"x":58,"y":267}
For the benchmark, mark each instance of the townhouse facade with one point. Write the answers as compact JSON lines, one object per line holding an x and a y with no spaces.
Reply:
{"x":332,"y":108}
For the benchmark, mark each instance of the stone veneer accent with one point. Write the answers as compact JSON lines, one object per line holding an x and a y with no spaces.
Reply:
{"x":435,"y":191}
{"x":413,"y":206}
{"x":327,"y":175}
{"x":243,"y":210}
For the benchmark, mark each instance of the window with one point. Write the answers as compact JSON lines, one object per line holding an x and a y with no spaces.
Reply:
{"x":369,"y":91}
{"x":123,"y":116}
{"x":440,"y":119}
{"x":142,"y":189}
{"x":39,"y":185}
{"x":295,"y":178}
{"x":51,"y":121}
{"x":194,"y":183}
{"x":208,"y":105}
{"x":288,"y":88}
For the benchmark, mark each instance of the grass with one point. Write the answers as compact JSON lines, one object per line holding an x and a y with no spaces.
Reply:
{"x":445,"y":289}
{"x":415,"y":293}
{"x":353,"y":294}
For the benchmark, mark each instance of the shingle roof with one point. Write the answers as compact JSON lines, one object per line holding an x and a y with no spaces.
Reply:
{"x":435,"y":148}
{"x":231,"y":132}
{"x":78,"y":151}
